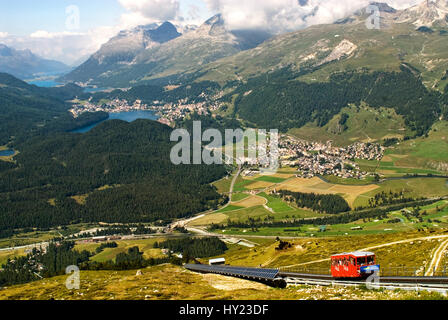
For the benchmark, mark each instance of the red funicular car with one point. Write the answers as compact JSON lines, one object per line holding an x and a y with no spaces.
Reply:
{"x":353,"y":265}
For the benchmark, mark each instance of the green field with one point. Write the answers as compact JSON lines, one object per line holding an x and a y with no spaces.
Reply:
{"x":239,"y":196}
{"x":229,"y":208}
{"x":429,"y":152}
{"x":435,"y":219}
{"x":350,"y":181}
{"x":270,"y":179}
{"x":276,"y":204}
{"x":414,"y":187}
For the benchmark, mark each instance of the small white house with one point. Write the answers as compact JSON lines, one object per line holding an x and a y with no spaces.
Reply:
{"x":215,"y":262}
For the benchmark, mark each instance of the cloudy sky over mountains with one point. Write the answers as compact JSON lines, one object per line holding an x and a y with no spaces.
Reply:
{"x":51,"y":29}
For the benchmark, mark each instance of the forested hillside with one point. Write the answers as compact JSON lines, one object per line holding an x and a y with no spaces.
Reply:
{"x":25,"y":108}
{"x":118,"y":172}
{"x":285,"y":103}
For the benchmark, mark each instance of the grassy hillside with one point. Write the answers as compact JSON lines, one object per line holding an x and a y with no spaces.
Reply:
{"x":364,"y":124}
{"x":429,"y":152}
{"x":383,"y":49}
{"x":184,"y":285}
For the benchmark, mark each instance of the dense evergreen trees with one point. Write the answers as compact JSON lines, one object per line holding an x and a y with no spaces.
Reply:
{"x":286,"y":103}
{"x":123,"y":171}
{"x":194,"y":247}
{"x":324,"y":203}
{"x":42,"y":263}
{"x":25,"y":109}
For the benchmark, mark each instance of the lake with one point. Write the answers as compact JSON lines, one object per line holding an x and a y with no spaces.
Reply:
{"x":6,"y":153}
{"x":125,"y":116}
{"x":44,"y":83}
{"x":49,"y":82}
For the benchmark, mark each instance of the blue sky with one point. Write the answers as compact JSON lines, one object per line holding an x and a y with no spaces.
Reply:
{"x":23,"y":17}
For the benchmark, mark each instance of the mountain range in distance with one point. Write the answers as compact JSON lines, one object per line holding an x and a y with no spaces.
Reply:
{"x":167,"y":53}
{"x":155,"y":51}
{"x":24,"y":64}
{"x":211,"y":52}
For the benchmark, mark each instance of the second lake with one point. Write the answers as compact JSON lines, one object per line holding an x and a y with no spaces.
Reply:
{"x":125,"y":116}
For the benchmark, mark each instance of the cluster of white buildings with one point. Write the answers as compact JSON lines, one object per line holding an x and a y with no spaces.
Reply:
{"x":315,"y":158}
{"x":113,"y":106}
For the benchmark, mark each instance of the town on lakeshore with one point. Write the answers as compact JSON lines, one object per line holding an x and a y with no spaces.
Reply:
{"x":311,"y":158}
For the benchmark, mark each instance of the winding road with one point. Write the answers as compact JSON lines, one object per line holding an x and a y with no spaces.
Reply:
{"x":436,"y":259}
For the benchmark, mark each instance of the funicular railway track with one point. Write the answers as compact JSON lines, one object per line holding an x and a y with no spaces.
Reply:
{"x":415,"y":283}
{"x":277,"y":278}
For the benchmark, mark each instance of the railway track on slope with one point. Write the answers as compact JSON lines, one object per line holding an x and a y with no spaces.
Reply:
{"x":277,"y":278}
{"x":433,"y":284}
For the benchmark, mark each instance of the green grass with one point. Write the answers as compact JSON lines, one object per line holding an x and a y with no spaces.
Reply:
{"x":369,"y":226}
{"x":350,"y":181}
{"x":425,"y":152}
{"x":415,"y":187}
{"x":276,"y":204}
{"x":241,"y":185}
{"x":239,"y":196}
{"x":223,"y":185}
{"x":364,"y":124}
{"x":270,"y":179}
{"x":154,"y":284}
{"x":229,"y":208}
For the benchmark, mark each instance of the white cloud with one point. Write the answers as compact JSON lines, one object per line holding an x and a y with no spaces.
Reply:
{"x":276,"y":15}
{"x":65,"y":46}
{"x":289,"y":15}
{"x":51,"y":35}
{"x":154,"y":10}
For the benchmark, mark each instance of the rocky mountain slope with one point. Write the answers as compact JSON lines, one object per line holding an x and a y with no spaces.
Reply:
{"x":348,"y":44}
{"x":122,"y":50}
{"x":137,"y":61}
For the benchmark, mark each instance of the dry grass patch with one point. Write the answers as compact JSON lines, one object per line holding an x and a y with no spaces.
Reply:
{"x":216,"y":218}
{"x":259,"y":185}
{"x":229,"y":284}
{"x":81,"y":200}
{"x":252,"y":201}
{"x":317,"y":186}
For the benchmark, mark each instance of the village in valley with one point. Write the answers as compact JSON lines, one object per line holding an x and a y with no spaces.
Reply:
{"x":322,"y":159}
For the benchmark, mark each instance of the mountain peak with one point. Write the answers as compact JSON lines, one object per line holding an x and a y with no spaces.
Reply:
{"x":383,"y":7}
{"x":426,"y":13}
{"x":165,"y":32}
{"x":215,"y":20}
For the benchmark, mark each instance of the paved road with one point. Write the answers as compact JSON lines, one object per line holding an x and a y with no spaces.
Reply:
{"x":28,"y":246}
{"x":232,"y":185}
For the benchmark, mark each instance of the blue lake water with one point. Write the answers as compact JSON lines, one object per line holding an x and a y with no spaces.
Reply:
{"x":45,"y":83}
{"x":6,"y":153}
{"x":51,"y":83}
{"x":125,"y":116}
